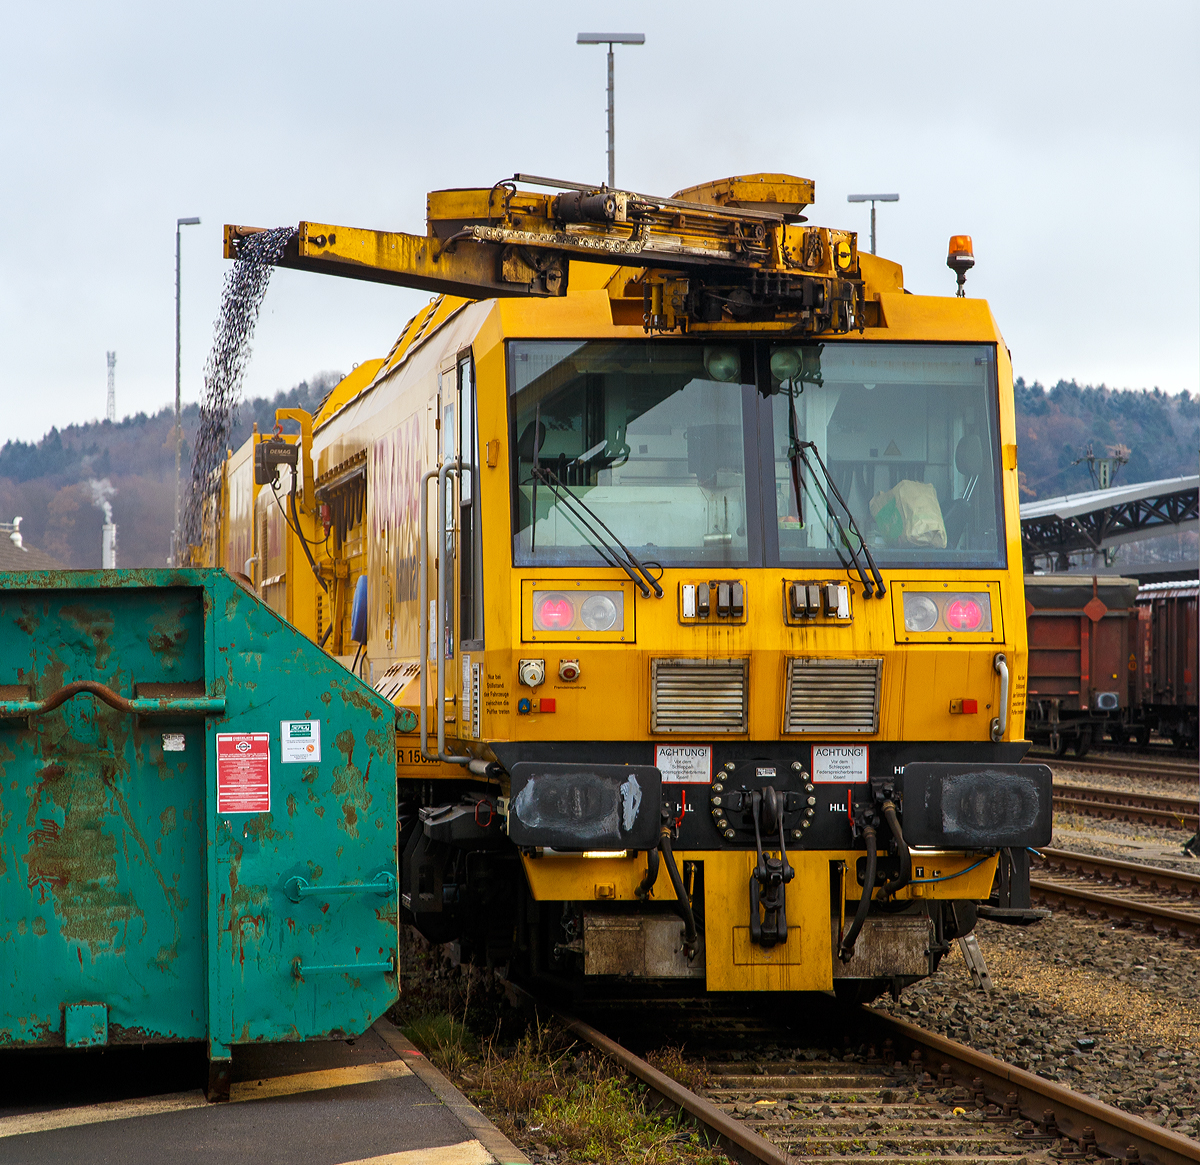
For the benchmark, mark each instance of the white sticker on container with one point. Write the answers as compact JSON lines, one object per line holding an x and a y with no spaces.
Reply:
{"x":299,"y":741}
{"x":684,"y":764}
{"x":173,"y":742}
{"x":840,"y":764}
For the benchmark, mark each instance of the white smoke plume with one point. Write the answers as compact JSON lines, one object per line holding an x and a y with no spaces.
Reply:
{"x":102,"y":490}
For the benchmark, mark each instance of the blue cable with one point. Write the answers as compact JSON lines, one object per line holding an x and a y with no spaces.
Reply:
{"x":947,"y":877}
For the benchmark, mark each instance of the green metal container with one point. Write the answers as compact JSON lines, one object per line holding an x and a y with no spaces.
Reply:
{"x":197,"y":820}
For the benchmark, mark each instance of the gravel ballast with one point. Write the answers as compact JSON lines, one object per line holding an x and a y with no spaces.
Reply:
{"x":1112,"y":1013}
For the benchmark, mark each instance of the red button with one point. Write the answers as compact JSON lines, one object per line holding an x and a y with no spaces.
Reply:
{"x":546,"y":705}
{"x":970,"y":707}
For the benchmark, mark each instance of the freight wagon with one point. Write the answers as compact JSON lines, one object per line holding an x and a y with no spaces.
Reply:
{"x":1080,"y":660}
{"x":1163,"y":663}
{"x":1110,"y":658}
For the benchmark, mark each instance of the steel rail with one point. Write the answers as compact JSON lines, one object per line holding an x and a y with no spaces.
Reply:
{"x":1136,"y":875}
{"x":1116,"y":907}
{"x":1111,"y":749}
{"x":1129,"y":798}
{"x":1076,"y":1115}
{"x":738,"y":1140}
{"x":1135,"y":766}
{"x":1117,"y":804}
{"x":734,"y":1136}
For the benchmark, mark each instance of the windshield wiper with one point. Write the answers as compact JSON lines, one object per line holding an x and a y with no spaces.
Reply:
{"x":796,"y":454}
{"x":614,"y":551}
{"x":877,"y":588}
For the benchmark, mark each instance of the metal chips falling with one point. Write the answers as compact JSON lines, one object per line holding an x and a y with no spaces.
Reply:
{"x":245,"y":285}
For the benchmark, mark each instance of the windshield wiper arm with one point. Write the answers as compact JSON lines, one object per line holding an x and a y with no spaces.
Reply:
{"x":879,"y":589}
{"x":797,"y":455}
{"x":630,"y":563}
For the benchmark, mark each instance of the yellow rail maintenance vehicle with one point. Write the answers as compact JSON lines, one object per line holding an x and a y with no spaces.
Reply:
{"x":685,"y":541}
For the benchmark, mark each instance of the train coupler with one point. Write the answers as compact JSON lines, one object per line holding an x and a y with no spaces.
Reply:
{"x":769,"y":879}
{"x":1013,"y":901}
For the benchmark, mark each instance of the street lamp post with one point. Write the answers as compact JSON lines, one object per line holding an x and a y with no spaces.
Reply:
{"x":872,"y":199}
{"x":179,"y":223}
{"x":610,"y":39}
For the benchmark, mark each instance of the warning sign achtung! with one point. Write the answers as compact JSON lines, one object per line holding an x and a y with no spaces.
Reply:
{"x":244,"y":772}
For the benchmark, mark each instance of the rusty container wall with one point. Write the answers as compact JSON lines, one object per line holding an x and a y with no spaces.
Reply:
{"x":1166,"y":657}
{"x":1079,"y":642}
{"x":197,"y":819}
{"x":1109,"y":671}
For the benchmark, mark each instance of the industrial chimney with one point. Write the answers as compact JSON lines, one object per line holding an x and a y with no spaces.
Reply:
{"x":108,"y":546}
{"x":101,"y":491}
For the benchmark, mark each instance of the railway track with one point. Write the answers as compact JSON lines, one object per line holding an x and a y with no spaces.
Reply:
{"x":1118,"y":805}
{"x":1135,"y":765}
{"x":858,"y":1087}
{"x":780,"y":1093}
{"x":1166,"y":901}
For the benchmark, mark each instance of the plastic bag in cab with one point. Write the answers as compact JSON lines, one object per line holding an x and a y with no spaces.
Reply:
{"x":908,"y":514}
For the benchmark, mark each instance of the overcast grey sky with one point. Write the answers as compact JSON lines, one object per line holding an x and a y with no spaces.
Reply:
{"x":1062,"y":137}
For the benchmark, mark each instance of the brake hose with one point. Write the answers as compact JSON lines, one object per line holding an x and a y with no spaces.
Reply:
{"x":684,"y":903}
{"x":647,"y":883}
{"x":905,"y":875}
{"x":846,"y":949}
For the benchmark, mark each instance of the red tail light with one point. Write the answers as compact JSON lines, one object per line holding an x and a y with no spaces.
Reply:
{"x":555,"y":613}
{"x":963,"y":615}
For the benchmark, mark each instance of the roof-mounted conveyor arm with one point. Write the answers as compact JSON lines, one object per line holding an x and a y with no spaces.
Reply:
{"x":474,"y":272}
{"x":737,"y":251}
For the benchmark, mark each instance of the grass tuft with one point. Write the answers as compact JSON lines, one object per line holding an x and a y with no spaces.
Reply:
{"x":546,"y":1091}
{"x":671,"y":1062}
{"x":550,"y":1093}
{"x":445,"y":1040}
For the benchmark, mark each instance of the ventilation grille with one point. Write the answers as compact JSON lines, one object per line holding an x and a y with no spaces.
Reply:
{"x":832,"y":695}
{"x":698,"y":695}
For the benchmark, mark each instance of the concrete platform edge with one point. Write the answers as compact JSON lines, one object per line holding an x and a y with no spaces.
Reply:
{"x":471,"y":1118}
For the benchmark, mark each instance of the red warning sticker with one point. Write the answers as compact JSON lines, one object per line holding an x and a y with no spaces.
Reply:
{"x":244,"y":772}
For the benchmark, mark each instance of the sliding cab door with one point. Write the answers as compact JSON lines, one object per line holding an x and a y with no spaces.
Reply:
{"x":470,"y":554}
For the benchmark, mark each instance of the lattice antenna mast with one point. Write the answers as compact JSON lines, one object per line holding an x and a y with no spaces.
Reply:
{"x":111,"y":412}
{"x":1103,"y":470}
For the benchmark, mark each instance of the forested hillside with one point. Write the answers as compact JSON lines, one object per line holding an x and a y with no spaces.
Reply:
{"x":1162,"y":433}
{"x":52,"y":483}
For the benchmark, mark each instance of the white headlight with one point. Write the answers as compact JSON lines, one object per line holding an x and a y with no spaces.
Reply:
{"x":920,"y":613}
{"x":598,"y":613}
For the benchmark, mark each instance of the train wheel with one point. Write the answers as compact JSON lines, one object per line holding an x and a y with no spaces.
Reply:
{"x":1083,"y":742}
{"x":856,"y":992}
{"x":1058,"y":744}
{"x":1143,"y":737}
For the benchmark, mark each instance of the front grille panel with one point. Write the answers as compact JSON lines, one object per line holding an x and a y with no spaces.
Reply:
{"x":698,"y":695}
{"x":832,"y":695}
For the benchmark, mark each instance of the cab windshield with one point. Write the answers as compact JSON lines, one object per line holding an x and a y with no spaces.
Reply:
{"x":687,"y":452}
